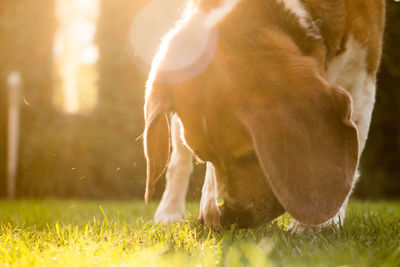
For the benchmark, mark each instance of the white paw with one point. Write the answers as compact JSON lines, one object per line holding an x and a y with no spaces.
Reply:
{"x":165,"y":217}
{"x":168,"y":212}
{"x":298,"y":227}
{"x":210,"y":214}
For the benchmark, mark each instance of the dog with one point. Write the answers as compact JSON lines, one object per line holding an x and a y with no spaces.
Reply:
{"x":277,"y":102}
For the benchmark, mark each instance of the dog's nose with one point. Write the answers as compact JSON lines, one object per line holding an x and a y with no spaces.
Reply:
{"x":236,"y":214}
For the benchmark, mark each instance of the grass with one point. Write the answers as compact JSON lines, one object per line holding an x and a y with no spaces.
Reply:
{"x":82,"y":233}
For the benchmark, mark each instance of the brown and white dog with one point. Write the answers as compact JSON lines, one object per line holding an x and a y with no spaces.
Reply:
{"x":278,"y":102}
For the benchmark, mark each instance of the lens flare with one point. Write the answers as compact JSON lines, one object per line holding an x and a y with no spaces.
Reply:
{"x":220,"y":202}
{"x":170,"y":42}
{"x":190,"y":10}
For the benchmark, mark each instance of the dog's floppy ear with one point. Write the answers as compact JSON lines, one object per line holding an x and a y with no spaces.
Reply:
{"x":156,"y":140}
{"x":306,"y":144}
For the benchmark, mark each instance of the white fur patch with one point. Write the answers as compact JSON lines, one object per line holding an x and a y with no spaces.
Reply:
{"x":364,"y":101}
{"x":350,"y":66}
{"x":297,"y":8}
{"x":349,"y":70}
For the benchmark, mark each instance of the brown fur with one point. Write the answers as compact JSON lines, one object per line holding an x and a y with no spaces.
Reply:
{"x":264,"y":99}
{"x":207,"y":5}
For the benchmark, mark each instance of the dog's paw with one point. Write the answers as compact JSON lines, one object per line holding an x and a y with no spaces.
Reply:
{"x":169,"y":212}
{"x":298,"y":227}
{"x":210,"y":214}
{"x":163,"y":217}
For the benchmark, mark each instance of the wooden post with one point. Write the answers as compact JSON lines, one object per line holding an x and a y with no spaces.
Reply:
{"x":14,"y":99}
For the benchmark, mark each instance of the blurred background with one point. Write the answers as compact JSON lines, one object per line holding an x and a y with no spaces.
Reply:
{"x":72,"y":76}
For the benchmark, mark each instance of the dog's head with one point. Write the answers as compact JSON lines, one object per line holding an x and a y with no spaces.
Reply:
{"x":279,"y":135}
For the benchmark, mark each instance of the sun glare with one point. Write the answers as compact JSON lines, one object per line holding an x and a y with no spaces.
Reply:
{"x":189,"y":11}
{"x":76,"y":54}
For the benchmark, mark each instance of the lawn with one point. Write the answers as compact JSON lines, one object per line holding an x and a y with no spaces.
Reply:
{"x":114,"y":233}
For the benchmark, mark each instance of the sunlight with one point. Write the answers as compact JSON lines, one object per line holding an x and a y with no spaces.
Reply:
{"x":160,"y":16}
{"x":179,"y":27}
{"x":76,"y":53}
{"x":190,"y":10}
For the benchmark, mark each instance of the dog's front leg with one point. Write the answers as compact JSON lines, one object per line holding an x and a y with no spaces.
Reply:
{"x":209,"y":212}
{"x":180,"y":167}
